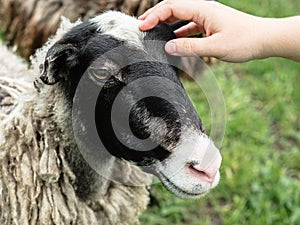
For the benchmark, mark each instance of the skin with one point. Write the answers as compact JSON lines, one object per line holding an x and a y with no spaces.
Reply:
{"x":230,"y":35}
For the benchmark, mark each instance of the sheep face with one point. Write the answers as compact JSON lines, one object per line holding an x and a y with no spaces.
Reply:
{"x":128,"y":101}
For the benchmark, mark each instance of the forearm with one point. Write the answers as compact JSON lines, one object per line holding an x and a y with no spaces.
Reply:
{"x":280,"y":38}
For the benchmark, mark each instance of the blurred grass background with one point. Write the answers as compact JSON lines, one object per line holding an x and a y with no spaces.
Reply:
{"x":260,"y":172}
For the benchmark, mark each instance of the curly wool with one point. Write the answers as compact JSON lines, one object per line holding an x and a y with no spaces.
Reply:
{"x":37,"y":184}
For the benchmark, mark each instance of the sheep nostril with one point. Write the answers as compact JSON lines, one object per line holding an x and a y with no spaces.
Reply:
{"x":203,"y":175}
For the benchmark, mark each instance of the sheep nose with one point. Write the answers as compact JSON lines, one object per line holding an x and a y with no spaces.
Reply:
{"x":208,"y":168}
{"x":206,"y":175}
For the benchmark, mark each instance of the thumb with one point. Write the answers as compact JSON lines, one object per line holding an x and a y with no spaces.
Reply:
{"x":192,"y":46}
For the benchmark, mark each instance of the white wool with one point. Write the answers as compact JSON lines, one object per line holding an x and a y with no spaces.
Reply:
{"x":15,"y":66}
{"x":17,"y":86}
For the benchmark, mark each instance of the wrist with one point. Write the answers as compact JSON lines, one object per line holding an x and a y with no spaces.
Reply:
{"x":269,"y":38}
{"x":264,"y":38}
{"x":279,"y":38}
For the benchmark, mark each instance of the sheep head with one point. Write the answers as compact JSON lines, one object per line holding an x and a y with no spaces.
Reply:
{"x":127,"y":101}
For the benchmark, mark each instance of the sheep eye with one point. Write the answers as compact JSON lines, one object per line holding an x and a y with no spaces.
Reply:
{"x":100,"y":75}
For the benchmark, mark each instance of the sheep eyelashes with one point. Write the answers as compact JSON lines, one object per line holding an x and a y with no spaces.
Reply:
{"x":127,"y":100}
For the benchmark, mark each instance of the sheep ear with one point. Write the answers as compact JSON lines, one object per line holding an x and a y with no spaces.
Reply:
{"x":59,"y":60}
{"x":179,"y":24}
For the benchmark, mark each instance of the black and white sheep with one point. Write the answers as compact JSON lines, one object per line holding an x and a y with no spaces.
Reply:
{"x":84,"y":73}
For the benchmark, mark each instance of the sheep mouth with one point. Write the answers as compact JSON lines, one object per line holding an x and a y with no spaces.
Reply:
{"x":177,"y":190}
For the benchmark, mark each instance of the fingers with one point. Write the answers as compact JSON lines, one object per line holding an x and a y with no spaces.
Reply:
{"x":155,"y":15}
{"x":189,"y":30}
{"x":149,"y":11}
{"x":194,"y":46}
{"x":170,"y":11}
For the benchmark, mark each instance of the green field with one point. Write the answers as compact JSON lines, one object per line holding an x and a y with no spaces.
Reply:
{"x":261,"y":155}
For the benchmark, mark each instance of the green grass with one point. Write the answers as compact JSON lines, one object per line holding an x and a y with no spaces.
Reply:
{"x":266,"y":8}
{"x":261,"y":157}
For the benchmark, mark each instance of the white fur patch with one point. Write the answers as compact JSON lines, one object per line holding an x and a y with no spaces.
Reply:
{"x":195,"y":149}
{"x":120,"y":26}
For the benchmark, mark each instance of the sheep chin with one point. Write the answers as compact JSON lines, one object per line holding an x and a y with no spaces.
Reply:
{"x":172,"y":187}
{"x":194,"y":149}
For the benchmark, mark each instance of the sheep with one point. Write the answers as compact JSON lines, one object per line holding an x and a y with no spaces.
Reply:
{"x":67,"y":143}
{"x":37,"y":185}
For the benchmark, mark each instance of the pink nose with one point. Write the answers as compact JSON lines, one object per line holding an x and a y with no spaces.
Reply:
{"x":209,"y":173}
{"x":204,"y":175}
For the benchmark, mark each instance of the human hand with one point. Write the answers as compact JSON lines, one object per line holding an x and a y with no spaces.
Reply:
{"x":231,"y":35}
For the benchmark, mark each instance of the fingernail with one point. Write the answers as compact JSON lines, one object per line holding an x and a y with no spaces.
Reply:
{"x":142,"y":26}
{"x":170,"y":47}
